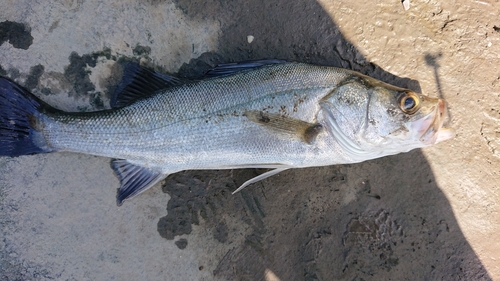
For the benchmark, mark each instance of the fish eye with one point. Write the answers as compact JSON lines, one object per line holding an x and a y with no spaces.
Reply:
{"x":409,"y":102}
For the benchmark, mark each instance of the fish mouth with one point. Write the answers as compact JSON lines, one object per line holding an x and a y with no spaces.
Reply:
{"x":429,"y":129}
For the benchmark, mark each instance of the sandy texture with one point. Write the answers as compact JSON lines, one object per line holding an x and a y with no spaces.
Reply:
{"x":430,"y":214}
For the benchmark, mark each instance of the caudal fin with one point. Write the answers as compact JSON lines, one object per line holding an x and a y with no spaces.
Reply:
{"x":19,"y":113}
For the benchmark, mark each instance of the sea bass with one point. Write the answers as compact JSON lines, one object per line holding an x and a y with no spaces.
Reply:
{"x":262,"y":114}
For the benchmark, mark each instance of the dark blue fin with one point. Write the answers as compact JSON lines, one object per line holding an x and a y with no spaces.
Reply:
{"x":133,"y":179}
{"x":19,"y":111}
{"x":139,"y":82}
{"x":231,"y":68}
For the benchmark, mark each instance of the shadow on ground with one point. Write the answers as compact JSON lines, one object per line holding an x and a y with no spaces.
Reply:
{"x":381,"y":220}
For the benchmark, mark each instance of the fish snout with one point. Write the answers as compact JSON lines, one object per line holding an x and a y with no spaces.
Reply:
{"x":444,"y":133}
{"x":429,"y":129}
{"x":434,"y":122}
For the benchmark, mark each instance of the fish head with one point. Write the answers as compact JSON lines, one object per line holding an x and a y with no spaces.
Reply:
{"x":371,"y":119}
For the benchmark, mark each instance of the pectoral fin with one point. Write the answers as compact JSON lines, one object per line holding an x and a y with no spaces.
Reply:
{"x":305,"y":131}
{"x":259,"y":178}
{"x":133,"y":179}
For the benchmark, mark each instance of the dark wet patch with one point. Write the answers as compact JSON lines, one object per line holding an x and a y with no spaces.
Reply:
{"x":17,"y":34}
{"x":183,"y":209}
{"x":2,"y":71}
{"x":141,"y":50}
{"x":34,"y":76}
{"x":191,"y":198}
{"x":181,"y":243}
{"x":196,"y":68}
{"x":96,"y":101}
{"x":53,"y":88}
{"x":206,"y":195}
{"x":13,"y":73}
{"x":78,"y":75}
{"x":155,"y":2}
{"x":76,"y":72}
{"x":46,"y":91}
{"x":111,"y":83}
{"x":82,"y":108}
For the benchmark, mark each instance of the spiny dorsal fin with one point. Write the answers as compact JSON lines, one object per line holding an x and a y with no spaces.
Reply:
{"x":139,"y":82}
{"x":305,"y":131}
{"x":133,"y":179}
{"x":230,"y":68}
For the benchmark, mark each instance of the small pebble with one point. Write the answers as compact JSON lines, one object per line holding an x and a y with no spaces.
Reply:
{"x":181,"y":243}
{"x":406,"y":4}
{"x":250,"y":39}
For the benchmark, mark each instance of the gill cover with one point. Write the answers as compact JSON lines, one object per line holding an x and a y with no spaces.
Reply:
{"x":345,"y":111}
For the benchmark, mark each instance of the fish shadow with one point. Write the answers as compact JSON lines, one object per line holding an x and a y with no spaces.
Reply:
{"x":384,"y":219}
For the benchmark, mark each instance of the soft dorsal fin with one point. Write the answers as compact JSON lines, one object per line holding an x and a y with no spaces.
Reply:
{"x":133,"y":179}
{"x":230,"y":68}
{"x":139,"y":82}
{"x":305,"y":131}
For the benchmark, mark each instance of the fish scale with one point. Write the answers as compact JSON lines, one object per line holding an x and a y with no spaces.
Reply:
{"x":195,"y":118}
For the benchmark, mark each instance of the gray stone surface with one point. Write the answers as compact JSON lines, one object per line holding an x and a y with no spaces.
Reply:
{"x":430,"y":214}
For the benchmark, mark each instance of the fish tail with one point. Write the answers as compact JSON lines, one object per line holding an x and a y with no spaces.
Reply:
{"x":19,"y":121}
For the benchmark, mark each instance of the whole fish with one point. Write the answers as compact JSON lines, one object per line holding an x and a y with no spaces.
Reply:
{"x":261,"y":114}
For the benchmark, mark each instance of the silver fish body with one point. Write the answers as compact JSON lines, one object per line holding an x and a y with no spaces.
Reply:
{"x":202,"y":125}
{"x":279,"y":116}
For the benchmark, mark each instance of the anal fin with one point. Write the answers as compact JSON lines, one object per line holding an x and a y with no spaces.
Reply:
{"x":133,"y":179}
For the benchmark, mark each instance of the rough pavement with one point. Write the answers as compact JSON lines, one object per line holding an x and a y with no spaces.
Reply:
{"x":425,"y":215}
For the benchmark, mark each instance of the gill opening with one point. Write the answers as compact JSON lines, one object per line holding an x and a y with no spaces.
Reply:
{"x":352,"y":149}
{"x":364,"y":123}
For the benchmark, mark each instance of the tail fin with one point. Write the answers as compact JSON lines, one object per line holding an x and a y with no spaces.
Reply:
{"x":19,"y":112}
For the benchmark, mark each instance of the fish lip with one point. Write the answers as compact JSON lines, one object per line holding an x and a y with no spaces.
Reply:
{"x":434,"y":132}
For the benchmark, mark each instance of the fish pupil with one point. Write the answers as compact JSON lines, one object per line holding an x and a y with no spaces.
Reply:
{"x":409,"y":103}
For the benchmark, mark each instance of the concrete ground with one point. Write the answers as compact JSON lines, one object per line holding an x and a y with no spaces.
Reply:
{"x":430,"y":214}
